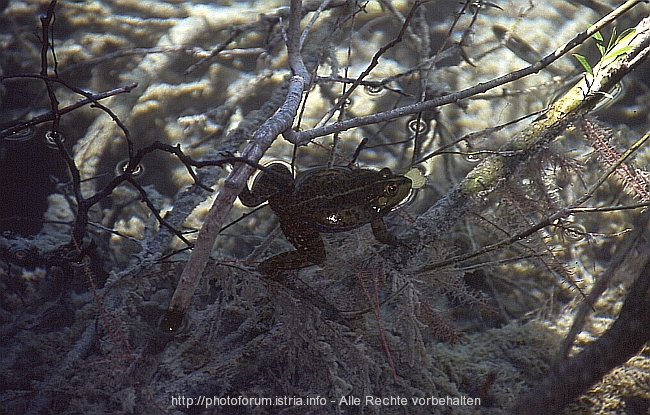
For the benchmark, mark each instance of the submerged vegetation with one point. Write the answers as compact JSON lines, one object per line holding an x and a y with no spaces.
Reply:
{"x":129,"y":272}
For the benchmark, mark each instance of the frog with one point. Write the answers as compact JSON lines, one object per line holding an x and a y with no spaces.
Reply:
{"x":324,"y":200}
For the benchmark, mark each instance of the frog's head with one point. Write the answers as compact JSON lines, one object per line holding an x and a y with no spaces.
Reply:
{"x":391,"y":191}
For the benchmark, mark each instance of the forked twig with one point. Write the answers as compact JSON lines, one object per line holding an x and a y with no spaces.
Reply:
{"x":304,"y":137}
{"x":50,"y":116}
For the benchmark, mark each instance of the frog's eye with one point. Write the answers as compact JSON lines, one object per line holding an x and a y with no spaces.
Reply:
{"x":391,"y":189}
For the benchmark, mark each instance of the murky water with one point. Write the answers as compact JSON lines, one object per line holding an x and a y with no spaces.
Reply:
{"x":208,"y":74}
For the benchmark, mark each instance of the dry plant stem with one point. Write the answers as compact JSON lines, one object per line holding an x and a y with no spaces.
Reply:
{"x":47,"y":23}
{"x":281,"y":121}
{"x":294,"y":42}
{"x":47,"y":46}
{"x":304,"y":137}
{"x":313,"y":19}
{"x":215,"y":218}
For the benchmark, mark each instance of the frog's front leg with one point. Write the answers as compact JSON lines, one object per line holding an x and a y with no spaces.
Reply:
{"x":310,"y":249}
{"x":381,"y":232}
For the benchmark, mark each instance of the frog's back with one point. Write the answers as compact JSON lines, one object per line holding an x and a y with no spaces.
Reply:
{"x":338,"y":186}
{"x":339,"y":199}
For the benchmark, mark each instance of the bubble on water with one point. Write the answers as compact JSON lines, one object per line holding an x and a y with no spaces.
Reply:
{"x":122,"y":166}
{"x":22,"y":135}
{"x":472,"y":156}
{"x":418,"y":126}
{"x":50,"y":139}
{"x":574,"y":232}
{"x":374,"y":90}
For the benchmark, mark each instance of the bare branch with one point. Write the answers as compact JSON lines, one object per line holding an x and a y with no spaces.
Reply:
{"x":49,"y":116}
{"x":294,"y":43}
{"x":262,"y":140}
{"x":304,"y":137}
{"x":374,"y":62}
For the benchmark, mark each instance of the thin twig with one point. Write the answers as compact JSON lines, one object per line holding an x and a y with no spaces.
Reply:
{"x":374,"y":62}
{"x":50,"y":116}
{"x":47,"y":43}
{"x":304,"y":137}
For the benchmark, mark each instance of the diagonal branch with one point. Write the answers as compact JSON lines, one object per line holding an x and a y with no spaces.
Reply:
{"x":281,"y":121}
{"x":495,"y":169}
